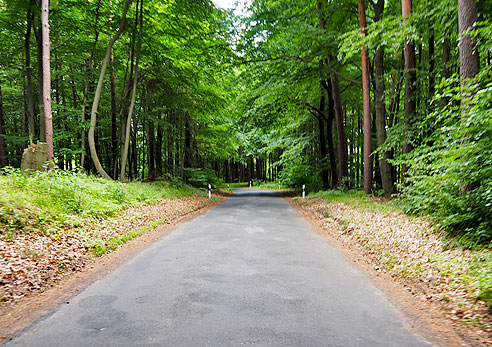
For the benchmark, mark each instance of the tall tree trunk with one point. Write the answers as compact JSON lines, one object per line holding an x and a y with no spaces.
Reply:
{"x":134,"y":95}
{"x":97,"y":95}
{"x":469,"y":65}
{"x":47,"y":78}
{"x":366,"y":94}
{"x":322,"y":142}
{"x":3,"y":149}
{"x":469,"y":62}
{"x":39,"y":53}
{"x":342,"y":139}
{"x":158,"y":147}
{"x":188,"y":144}
{"x":431,"y":63}
{"x":114,"y":125}
{"x":410,"y":92}
{"x":27,"y":50}
{"x":380,"y":106}
{"x":151,"y":143}
{"x":329,"y":137}
{"x":86,"y":86}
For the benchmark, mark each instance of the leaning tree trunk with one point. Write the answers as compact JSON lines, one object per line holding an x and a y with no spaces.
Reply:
{"x":410,"y":92}
{"x":124,"y":155}
{"x":367,"y":103}
{"x":97,"y":95}
{"x":47,"y":78}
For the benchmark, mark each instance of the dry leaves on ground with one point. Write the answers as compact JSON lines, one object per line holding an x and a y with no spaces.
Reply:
{"x":408,"y":250}
{"x":32,"y":261}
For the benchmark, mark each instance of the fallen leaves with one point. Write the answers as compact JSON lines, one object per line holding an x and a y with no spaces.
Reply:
{"x":407,"y":249}
{"x":31,"y":261}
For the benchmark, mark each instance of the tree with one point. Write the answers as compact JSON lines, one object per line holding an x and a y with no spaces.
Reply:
{"x":410,"y":81}
{"x":384,"y":166}
{"x":47,"y":78}
{"x":124,"y":154}
{"x":97,"y":96}
{"x":367,"y":103}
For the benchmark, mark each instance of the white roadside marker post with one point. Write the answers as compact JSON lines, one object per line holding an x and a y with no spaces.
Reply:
{"x":209,"y":191}
{"x":304,"y":191}
{"x":278,"y":185}
{"x":250,"y":184}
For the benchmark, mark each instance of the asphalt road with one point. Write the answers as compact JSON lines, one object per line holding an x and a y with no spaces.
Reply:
{"x":249,"y":272}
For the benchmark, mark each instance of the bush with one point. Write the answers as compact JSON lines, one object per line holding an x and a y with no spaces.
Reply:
{"x":55,"y":199}
{"x":201,"y":178}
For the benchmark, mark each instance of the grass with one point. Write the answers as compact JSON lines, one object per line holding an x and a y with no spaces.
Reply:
{"x":359,"y":200}
{"x":49,"y":202}
{"x":116,"y":241}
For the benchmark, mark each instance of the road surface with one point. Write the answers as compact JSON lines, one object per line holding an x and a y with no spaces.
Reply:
{"x":247,"y":273}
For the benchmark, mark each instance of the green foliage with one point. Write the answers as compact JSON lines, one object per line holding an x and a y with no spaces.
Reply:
{"x":201,"y":178}
{"x":49,"y":201}
{"x":450,"y":175}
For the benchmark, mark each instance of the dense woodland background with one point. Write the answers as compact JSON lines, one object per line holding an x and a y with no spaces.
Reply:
{"x":390,"y":96}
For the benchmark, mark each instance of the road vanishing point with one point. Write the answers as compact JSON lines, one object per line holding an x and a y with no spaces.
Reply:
{"x":250,"y":272}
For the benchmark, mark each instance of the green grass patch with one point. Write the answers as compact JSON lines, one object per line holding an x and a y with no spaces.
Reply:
{"x":359,"y":200}
{"x":116,"y":241}
{"x":49,"y":202}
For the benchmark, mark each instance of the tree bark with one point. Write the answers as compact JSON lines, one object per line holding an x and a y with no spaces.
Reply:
{"x":3,"y":149}
{"x":342,"y":139}
{"x":410,"y":92}
{"x":132,"y":103}
{"x":47,"y":78}
{"x":329,"y":137}
{"x":366,"y":95}
{"x":97,"y":95}
{"x":467,"y":16}
{"x":322,"y":142}
{"x":158,"y":148}
{"x":27,"y":49}
{"x":38,"y":32}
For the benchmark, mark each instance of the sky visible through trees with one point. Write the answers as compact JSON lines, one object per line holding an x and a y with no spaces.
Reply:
{"x":395,"y":99}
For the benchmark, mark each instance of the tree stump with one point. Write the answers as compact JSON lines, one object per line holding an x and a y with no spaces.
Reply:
{"x":35,"y":157}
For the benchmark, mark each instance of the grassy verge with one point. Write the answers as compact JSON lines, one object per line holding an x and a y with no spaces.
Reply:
{"x":411,"y":247}
{"x":51,"y":202}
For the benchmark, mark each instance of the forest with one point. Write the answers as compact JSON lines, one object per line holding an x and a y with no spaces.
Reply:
{"x":392,"y":97}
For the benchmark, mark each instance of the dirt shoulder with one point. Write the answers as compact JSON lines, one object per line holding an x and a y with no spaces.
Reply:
{"x":35,"y":285}
{"x":401,"y":256}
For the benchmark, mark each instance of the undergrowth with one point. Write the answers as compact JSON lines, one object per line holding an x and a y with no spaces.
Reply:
{"x":48,"y":202}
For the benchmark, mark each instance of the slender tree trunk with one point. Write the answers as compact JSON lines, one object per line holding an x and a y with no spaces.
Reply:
{"x":97,"y":95}
{"x":27,"y":50}
{"x":114,"y":125}
{"x":322,"y":142}
{"x":367,"y":103}
{"x":431,"y":63}
{"x":342,"y":139}
{"x":329,"y":137}
{"x":39,"y":50}
{"x":469,"y":65}
{"x":134,"y":95}
{"x":3,"y":148}
{"x":410,"y":92}
{"x":380,"y":107}
{"x":47,"y":78}
{"x":151,"y":146}
{"x":469,"y":62}
{"x":158,"y":148}
{"x":86,"y":87}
